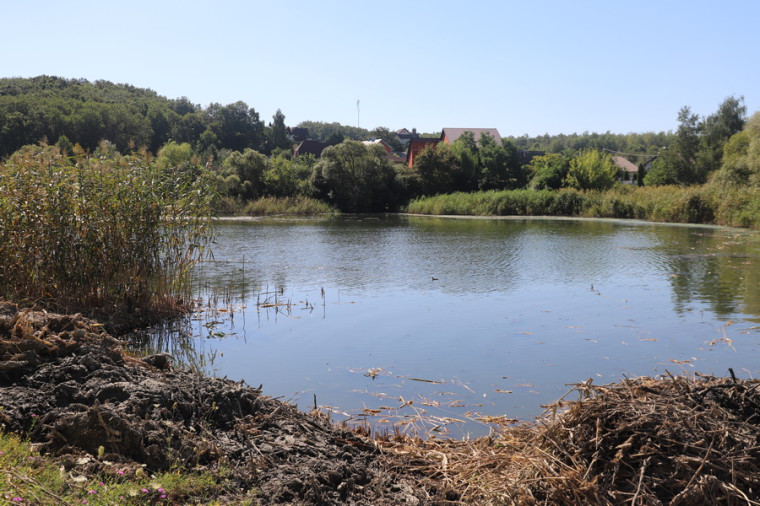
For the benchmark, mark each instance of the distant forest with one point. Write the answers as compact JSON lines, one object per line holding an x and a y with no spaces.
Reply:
{"x":78,"y":111}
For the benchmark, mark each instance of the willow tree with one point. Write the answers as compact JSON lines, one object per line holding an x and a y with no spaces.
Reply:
{"x":356,"y":178}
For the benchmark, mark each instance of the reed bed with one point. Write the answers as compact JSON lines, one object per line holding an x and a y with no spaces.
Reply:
{"x":100,"y":233}
{"x":671,"y":440}
{"x":298,"y":205}
{"x":707,"y":204}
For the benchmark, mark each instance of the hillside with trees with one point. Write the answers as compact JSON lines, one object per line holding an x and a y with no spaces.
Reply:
{"x":76,"y":111}
{"x":252,"y":159}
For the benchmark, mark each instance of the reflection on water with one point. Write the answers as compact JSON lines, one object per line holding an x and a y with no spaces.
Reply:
{"x":402,"y":318}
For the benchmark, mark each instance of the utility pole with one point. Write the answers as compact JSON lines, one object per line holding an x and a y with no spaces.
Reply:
{"x":357,"y":113}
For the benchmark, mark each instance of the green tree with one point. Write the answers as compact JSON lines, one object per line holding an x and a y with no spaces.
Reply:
{"x":175,"y":156}
{"x":437,"y":166}
{"x":182,"y":106}
{"x":499,"y":165}
{"x":277,"y":133}
{"x":249,"y":166}
{"x":208,"y":143}
{"x":390,"y":138}
{"x":464,"y":174}
{"x":158,"y":116}
{"x":591,"y":170}
{"x":681,"y":156}
{"x":335,"y":138}
{"x":282,"y":178}
{"x":189,"y":128}
{"x":548,"y":171}
{"x":14,"y":132}
{"x":321,"y":131}
{"x":741,"y":157}
{"x":236,"y":126}
{"x":356,"y":177}
{"x":717,"y":129}
{"x":662,"y":172}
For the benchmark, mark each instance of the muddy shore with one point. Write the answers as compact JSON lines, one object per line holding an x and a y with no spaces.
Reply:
{"x":70,"y":388}
{"x":73,"y":390}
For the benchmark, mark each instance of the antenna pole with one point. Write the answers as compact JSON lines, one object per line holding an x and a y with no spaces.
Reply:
{"x":357,"y":113}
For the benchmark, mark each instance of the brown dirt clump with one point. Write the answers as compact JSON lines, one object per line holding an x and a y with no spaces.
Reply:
{"x":72,"y":389}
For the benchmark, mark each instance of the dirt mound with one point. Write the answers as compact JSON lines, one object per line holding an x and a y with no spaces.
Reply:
{"x":71,"y":387}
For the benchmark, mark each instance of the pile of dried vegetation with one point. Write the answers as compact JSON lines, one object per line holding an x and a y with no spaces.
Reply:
{"x":672,"y":440}
{"x":72,"y":390}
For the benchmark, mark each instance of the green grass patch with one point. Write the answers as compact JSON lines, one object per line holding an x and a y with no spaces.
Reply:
{"x":31,"y":478}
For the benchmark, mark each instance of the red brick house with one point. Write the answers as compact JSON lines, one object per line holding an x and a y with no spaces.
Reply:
{"x":416,"y":146}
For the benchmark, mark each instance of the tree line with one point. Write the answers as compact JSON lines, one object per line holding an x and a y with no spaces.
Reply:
{"x":77,"y":111}
{"x":251,"y":159}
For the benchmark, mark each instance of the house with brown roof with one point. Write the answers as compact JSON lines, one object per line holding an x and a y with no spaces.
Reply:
{"x":628,"y":170}
{"x":310,"y":146}
{"x":450,"y":135}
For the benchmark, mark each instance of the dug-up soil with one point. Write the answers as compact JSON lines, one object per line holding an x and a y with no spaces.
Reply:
{"x":72,"y":389}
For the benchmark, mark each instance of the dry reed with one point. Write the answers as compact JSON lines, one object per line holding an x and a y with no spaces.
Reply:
{"x":675,"y":440}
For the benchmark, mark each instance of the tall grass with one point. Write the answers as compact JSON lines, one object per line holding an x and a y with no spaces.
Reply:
{"x":88,"y":233}
{"x":297,"y":205}
{"x":708,"y":204}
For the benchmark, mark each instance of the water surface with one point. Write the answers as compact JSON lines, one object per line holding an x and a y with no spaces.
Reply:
{"x":468,"y":317}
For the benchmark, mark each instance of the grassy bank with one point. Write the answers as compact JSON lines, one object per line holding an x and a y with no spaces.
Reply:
{"x":696,"y":204}
{"x":274,"y":206}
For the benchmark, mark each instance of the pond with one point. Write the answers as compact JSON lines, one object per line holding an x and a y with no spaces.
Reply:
{"x":437,"y":324}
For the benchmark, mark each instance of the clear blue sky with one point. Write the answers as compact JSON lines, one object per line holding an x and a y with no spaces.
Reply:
{"x":523,"y":67}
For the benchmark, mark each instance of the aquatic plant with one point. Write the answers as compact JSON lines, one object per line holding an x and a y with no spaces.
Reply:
{"x":288,"y":206}
{"x":99,"y":232}
{"x":707,"y":204}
